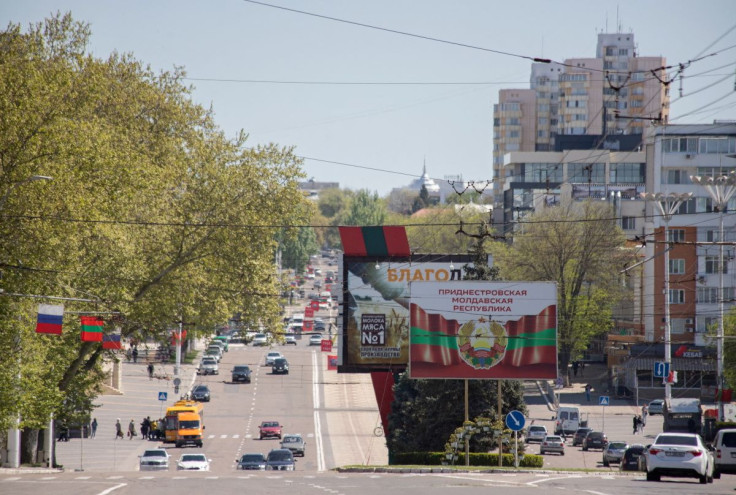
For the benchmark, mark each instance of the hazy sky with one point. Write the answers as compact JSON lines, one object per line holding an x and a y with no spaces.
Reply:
{"x":245,"y":60}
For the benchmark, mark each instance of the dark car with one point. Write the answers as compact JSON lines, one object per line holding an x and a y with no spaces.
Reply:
{"x":595,"y":440}
{"x":630,"y":460}
{"x":280,"y":366}
{"x":580,"y":434}
{"x":201,"y":393}
{"x":241,"y":373}
{"x":252,"y":462}
{"x":280,"y":460}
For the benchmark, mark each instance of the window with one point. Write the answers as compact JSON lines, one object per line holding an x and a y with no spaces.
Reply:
{"x":713,"y":262}
{"x":717,"y":145}
{"x":675,"y":235}
{"x":628,"y":223}
{"x":580,"y":172}
{"x":713,"y":236}
{"x":627,"y":173}
{"x":675,"y":177}
{"x":680,"y":145}
{"x":623,"y":52}
{"x":707,"y":295}
{"x":677,"y":267}
{"x":514,"y":134}
{"x":677,"y":296}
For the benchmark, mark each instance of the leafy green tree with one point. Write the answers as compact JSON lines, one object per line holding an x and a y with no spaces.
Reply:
{"x":365,"y":209}
{"x":297,"y":246}
{"x":581,"y":248}
{"x":729,"y":349}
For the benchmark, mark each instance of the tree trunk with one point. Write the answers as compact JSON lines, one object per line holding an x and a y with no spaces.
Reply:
{"x":29,"y":446}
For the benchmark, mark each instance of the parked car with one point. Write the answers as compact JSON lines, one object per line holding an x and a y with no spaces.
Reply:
{"x":656,"y":407}
{"x":208,"y":366}
{"x":725,"y":456}
{"x":154,"y":460}
{"x":315,"y":339}
{"x":613,"y":452}
{"x":252,"y":462}
{"x":595,"y":440}
{"x":201,"y":393}
{"x":290,"y":340}
{"x":193,"y":462}
{"x":259,"y":339}
{"x":552,"y":443}
{"x":579,"y":436}
{"x":241,"y":373}
{"x":680,"y":455}
{"x":294,"y":442}
{"x":280,"y":366}
{"x":280,"y":460}
{"x":536,"y":433}
{"x":630,"y":459}
{"x":272,"y":356}
{"x":270,"y":429}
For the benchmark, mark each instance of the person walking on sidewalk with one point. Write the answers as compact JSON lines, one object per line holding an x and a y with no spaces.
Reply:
{"x":135,"y":354}
{"x":93,"y":428}
{"x":118,"y":430}
{"x":587,"y":392}
{"x":131,"y":430}
{"x":636,"y":424}
{"x":145,"y":425}
{"x":150,"y":371}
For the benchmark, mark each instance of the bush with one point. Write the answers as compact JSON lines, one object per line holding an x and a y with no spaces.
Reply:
{"x":476,"y":459}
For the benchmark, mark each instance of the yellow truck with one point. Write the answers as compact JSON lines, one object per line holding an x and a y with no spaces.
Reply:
{"x":184,"y":423}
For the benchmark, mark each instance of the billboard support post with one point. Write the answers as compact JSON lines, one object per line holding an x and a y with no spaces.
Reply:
{"x":467,"y":418}
{"x":500,"y":436}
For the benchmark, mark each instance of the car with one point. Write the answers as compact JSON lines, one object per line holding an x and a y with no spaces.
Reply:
{"x":294,"y":442}
{"x":272,"y":356}
{"x":630,"y":459}
{"x":222,"y":343}
{"x":280,"y":460}
{"x":201,"y":393}
{"x":289,"y":340}
{"x":613,"y":452}
{"x":595,"y":440}
{"x":270,"y":429}
{"x":655,"y":407}
{"x":259,"y":339}
{"x":679,"y":455}
{"x":536,"y":433}
{"x":241,"y":373}
{"x":552,"y":443}
{"x":193,"y":462}
{"x":215,"y":351}
{"x":154,"y":460}
{"x":320,"y":326}
{"x":280,"y":366}
{"x":252,"y":462}
{"x":315,"y":339}
{"x":208,"y":366}
{"x":579,"y":436}
{"x":725,"y":456}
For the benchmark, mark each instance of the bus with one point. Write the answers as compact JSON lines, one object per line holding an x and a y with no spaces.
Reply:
{"x":171,"y":422}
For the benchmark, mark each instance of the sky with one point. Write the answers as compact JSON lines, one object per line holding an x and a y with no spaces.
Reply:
{"x":369,"y":107}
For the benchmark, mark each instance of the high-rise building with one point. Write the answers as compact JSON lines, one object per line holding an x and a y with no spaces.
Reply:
{"x":617,"y":92}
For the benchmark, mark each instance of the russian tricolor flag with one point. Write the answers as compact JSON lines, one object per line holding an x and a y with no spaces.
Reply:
{"x":50,"y":318}
{"x":111,"y":341}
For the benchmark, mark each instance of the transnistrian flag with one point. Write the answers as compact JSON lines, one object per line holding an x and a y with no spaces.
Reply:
{"x":92,"y":328}
{"x":111,"y":341}
{"x":50,"y":318}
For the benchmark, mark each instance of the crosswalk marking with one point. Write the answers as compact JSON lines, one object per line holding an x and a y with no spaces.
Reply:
{"x":211,"y":436}
{"x":82,"y":477}
{"x":223,"y":436}
{"x":236,"y":436}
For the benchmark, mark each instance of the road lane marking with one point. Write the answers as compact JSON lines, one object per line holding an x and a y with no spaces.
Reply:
{"x":317,"y":424}
{"x":210,"y":437}
{"x":112,"y":489}
{"x":223,"y":436}
{"x":236,"y":436}
{"x":82,"y":477}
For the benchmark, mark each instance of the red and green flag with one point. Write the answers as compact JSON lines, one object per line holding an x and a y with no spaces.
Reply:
{"x":92,"y":328}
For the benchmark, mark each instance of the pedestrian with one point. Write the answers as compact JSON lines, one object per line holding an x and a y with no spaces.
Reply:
{"x":582,"y":367}
{"x":63,"y":433}
{"x":587,"y":392}
{"x":636,"y":424}
{"x":118,"y":430}
{"x":575,"y":365}
{"x":644,"y":413}
{"x":150,"y":371}
{"x":145,"y":424}
{"x":131,"y":430}
{"x":93,"y":427}
{"x":153,"y":432}
{"x":135,"y":354}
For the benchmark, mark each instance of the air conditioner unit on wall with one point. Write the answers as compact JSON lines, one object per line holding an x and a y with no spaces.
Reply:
{"x":689,"y":321}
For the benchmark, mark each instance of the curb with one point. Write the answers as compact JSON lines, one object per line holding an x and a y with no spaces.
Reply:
{"x":444,"y":470}
{"x":30,"y":471}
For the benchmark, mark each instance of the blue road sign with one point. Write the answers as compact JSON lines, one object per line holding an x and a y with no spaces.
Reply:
{"x":661,"y":369}
{"x":162,"y":396}
{"x":515,"y":420}
{"x":604,"y":400}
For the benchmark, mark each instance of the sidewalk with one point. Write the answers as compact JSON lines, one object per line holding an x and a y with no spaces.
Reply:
{"x":139,"y":399}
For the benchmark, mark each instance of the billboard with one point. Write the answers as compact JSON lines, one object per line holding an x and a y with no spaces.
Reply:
{"x":483,"y":330}
{"x":375,"y":302}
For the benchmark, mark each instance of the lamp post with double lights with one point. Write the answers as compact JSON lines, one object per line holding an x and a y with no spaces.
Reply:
{"x":721,"y":190}
{"x":667,"y":205}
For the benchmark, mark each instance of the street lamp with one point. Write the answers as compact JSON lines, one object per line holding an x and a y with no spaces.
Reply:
{"x":668,"y":205}
{"x":720,"y":189}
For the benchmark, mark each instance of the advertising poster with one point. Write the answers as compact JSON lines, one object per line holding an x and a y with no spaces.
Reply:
{"x":376,"y":320}
{"x":483,"y":330}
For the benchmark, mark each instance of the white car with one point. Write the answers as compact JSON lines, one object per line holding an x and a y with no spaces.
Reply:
{"x":289,"y":339}
{"x":208,"y":366}
{"x":272,"y":356}
{"x":193,"y":462}
{"x":536,"y":433}
{"x":259,"y":339}
{"x":315,"y":339}
{"x":680,"y":455}
{"x":154,"y":460}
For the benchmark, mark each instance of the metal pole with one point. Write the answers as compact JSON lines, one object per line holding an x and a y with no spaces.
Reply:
{"x":719,"y":343}
{"x":178,"y":349}
{"x":52,"y":444}
{"x":467,"y":418}
{"x":667,"y":340}
{"x":516,"y":449}
{"x":500,"y":436}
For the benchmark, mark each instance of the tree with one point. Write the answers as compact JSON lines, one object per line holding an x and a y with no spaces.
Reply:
{"x":400,"y":201}
{"x":421,"y":201}
{"x":297,"y":245}
{"x":580,"y":247}
{"x":365,"y":209}
{"x":729,"y":349}
{"x":436,"y":231}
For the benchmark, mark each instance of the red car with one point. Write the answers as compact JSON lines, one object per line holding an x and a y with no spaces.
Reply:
{"x":270,"y":429}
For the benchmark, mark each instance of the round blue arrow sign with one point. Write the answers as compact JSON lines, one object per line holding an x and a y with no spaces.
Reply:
{"x":515,"y":420}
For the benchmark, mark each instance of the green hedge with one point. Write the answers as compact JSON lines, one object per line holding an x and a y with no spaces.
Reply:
{"x":476,"y":459}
